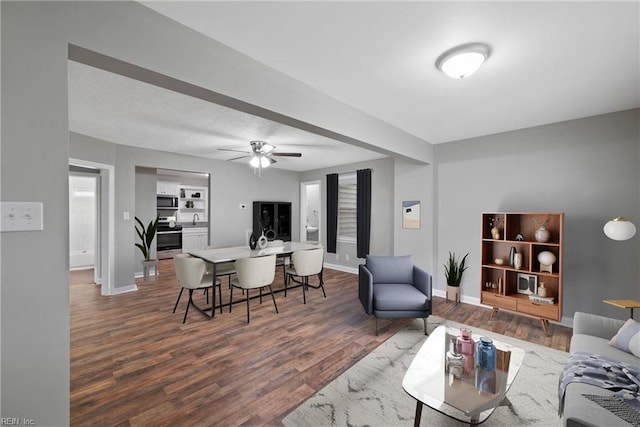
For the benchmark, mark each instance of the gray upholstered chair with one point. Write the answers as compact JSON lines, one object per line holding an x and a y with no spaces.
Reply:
{"x":393,"y":287}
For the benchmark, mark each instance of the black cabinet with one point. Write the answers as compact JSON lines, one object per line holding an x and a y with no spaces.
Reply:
{"x":273,"y":219}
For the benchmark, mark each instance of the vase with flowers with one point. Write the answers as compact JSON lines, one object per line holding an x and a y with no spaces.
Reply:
{"x":542,"y":235}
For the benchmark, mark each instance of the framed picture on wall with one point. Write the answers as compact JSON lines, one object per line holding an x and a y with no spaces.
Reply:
{"x":527,"y":284}
{"x":411,"y":214}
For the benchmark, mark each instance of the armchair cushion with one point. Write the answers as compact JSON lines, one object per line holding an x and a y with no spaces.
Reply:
{"x":397,"y":269}
{"x":399,"y":297}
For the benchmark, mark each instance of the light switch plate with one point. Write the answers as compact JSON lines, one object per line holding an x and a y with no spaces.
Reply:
{"x":21,"y":216}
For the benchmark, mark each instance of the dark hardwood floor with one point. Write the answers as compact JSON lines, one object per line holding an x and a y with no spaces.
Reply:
{"x":134,"y":363}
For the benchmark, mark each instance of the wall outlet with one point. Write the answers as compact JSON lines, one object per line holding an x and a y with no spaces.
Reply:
{"x":337,"y":256}
{"x":125,"y":216}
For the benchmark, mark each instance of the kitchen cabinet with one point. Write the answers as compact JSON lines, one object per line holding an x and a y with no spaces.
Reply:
{"x":194,"y":238}
{"x":166,"y":188}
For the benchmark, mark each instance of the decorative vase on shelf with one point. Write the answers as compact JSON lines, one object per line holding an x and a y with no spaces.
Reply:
{"x":495,"y":233}
{"x":542,"y":235}
{"x":253,"y":241}
{"x":512,"y":255}
{"x":517,"y":261}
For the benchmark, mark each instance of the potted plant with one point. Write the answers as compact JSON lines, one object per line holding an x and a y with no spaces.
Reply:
{"x":453,"y":271}
{"x":147,"y":234}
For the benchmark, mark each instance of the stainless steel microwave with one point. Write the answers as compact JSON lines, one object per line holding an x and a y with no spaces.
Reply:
{"x":167,"y":202}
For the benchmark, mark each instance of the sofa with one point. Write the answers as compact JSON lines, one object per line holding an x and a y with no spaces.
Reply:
{"x":592,"y":333}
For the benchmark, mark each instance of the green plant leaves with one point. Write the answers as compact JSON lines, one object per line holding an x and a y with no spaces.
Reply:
{"x":454,"y":269}
{"x":146,"y":235}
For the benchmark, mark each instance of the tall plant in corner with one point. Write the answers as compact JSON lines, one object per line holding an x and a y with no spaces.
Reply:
{"x":146,"y":234}
{"x":453,"y":271}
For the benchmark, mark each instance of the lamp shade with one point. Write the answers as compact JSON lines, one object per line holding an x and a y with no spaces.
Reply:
{"x":619,"y":229}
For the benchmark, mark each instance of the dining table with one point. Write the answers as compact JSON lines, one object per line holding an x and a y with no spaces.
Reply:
{"x":215,"y":256}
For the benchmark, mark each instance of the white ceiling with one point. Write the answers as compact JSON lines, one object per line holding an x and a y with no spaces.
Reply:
{"x":550,"y":62}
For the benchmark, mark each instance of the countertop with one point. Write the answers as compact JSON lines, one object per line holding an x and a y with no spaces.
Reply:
{"x":190,"y":224}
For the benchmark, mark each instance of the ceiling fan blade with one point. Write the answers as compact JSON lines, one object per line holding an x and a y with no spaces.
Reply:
{"x":238,"y":158}
{"x":287,"y":154}
{"x":237,"y":151}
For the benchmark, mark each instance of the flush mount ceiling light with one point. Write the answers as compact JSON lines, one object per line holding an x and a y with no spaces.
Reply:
{"x":464,"y":60}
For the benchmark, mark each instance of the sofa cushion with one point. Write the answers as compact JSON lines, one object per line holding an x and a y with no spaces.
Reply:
{"x":590,"y":344}
{"x":398,"y":297}
{"x":391,"y":269}
{"x":628,"y":338}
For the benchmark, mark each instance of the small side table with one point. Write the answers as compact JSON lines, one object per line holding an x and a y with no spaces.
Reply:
{"x":623,"y":303}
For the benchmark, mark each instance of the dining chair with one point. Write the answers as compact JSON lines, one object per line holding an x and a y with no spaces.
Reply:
{"x":191,"y":274}
{"x":254,"y":273}
{"x":306,"y":263}
{"x":224,"y":268}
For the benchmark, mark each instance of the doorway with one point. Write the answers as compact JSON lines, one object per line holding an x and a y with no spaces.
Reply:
{"x":83,"y":217}
{"x":104,"y":220}
{"x":310,"y":211}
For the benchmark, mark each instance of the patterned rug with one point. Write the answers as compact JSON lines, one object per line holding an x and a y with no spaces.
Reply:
{"x":370,"y":393}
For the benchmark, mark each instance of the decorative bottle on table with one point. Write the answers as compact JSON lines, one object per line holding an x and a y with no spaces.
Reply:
{"x":467,"y":348}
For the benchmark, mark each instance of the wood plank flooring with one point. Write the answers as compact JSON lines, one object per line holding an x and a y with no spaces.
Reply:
{"x":134,"y":363}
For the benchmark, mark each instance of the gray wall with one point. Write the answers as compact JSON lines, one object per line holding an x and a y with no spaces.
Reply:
{"x":586,"y":168}
{"x":145,"y":206}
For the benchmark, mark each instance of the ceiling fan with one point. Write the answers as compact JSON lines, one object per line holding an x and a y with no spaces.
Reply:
{"x":261,"y":154}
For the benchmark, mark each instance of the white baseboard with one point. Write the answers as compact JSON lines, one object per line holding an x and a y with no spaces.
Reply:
{"x":343,"y":268}
{"x":124,"y":289}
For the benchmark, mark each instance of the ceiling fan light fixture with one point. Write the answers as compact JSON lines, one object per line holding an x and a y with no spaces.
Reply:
{"x":255,"y":161}
{"x":265,"y":162}
{"x":464,"y":60}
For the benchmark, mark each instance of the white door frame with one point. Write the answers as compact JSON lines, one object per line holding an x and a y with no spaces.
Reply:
{"x":303,"y":207}
{"x":107,"y":223}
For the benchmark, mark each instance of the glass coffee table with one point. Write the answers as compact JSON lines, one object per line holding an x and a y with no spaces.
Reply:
{"x":470,"y":397}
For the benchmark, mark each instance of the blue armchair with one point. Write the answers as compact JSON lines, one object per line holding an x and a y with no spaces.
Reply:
{"x":393,"y":287}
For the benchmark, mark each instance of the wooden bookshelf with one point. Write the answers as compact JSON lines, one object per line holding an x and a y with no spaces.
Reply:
{"x":517,"y":230}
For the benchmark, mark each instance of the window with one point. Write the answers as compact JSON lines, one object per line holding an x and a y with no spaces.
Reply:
{"x":347,"y":208}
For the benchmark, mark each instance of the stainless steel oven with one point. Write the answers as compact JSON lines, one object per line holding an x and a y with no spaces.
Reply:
{"x":169,"y":241}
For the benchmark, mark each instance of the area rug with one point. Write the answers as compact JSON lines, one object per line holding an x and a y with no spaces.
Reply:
{"x":370,"y":393}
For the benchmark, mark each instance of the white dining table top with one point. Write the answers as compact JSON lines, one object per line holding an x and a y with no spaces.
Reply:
{"x":233,"y":253}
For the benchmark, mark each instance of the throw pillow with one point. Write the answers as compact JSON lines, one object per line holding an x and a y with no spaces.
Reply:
{"x":628,"y":338}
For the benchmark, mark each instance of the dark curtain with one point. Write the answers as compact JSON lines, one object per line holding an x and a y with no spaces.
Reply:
{"x":332,"y":212}
{"x":363,"y":235}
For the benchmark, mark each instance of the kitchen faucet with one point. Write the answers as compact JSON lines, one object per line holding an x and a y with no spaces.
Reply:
{"x":195,"y":216}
